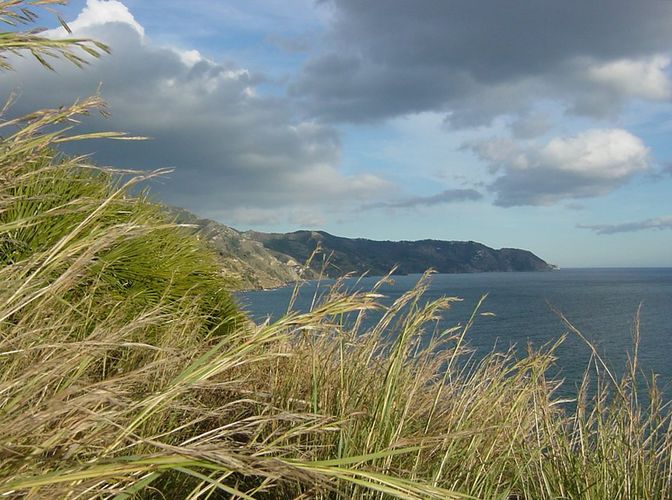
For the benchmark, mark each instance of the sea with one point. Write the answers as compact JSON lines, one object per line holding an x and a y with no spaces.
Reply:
{"x":601,"y":303}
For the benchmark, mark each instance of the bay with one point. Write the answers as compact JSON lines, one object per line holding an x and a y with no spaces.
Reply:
{"x":601,"y":303}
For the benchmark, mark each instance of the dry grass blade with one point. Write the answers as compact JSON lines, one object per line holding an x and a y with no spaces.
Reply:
{"x":127,"y":370}
{"x":42,"y":48}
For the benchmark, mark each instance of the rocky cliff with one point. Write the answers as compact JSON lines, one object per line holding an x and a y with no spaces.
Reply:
{"x":246,"y":260}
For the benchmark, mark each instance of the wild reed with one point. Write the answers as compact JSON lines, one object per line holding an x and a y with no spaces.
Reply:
{"x":126,"y":370}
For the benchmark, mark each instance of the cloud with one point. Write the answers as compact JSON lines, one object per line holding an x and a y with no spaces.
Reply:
{"x":290,"y":44}
{"x":477,"y":60}
{"x":236,"y":151}
{"x":268,"y":217}
{"x":97,"y":12}
{"x":530,"y":125}
{"x":642,"y":78}
{"x":589,"y":164}
{"x":444,"y":197}
{"x":667,"y":170}
{"x":659,"y":223}
{"x":600,"y":89}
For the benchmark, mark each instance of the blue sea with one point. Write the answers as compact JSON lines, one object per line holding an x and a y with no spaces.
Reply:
{"x":601,"y":303}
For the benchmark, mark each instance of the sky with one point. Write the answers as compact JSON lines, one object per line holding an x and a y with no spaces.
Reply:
{"x":532,"y":124}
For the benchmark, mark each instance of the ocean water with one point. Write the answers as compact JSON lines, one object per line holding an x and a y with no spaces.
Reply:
{"x":601,"y":303}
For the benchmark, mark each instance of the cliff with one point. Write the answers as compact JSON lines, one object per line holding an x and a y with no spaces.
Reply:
{"x":246,"y":260}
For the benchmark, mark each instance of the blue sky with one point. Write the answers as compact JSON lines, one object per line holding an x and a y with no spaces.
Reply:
{"x":536,"y":124}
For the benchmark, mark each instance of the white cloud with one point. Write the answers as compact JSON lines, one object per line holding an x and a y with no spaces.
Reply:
{"x":644,"y":78}
{"x":99,"y":12}
{"x":592,"y":163}
{"x":190,"y":57}
{"x":597,"y":153}
{"x":235,"y":151}
{"x":501,"y":153}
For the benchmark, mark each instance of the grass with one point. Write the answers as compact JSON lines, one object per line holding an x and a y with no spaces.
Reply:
{"x":126,"y":370}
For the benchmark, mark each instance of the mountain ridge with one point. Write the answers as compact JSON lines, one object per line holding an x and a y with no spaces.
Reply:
{"x":259,"y":260}
{"x":360,"y":255}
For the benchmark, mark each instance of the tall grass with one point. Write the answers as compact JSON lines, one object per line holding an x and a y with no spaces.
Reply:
{"x":490,"y":427}
{"x":126,"y":370}
{"x":18,"y":13}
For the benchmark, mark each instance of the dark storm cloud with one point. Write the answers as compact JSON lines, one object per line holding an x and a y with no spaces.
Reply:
{"x":237,"y":155}
{"x":444,"y":197}
{"x":477,"y":59}
{"x":659,"y":223}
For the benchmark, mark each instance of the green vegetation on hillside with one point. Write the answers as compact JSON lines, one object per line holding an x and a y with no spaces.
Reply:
{"x":246,"y":260}
{"x":127,"y":372}
{"x":360,"y":255}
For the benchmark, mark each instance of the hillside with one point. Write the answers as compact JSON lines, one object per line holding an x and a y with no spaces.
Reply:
{"x":245,"y":260}
{"x":268,"y":260}
{"x":379,"y":257}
